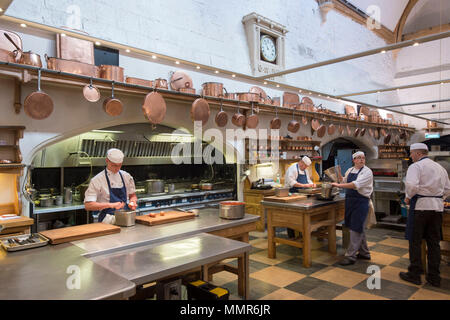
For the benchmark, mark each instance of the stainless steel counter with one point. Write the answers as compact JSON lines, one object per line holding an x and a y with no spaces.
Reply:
{"x":148,"y":263}
{"x":305,"y":204}
{"x":139,"y":235}
{"x":44,"y":273}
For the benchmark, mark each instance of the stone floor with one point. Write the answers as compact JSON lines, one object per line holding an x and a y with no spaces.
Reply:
{"x":285,"y":278}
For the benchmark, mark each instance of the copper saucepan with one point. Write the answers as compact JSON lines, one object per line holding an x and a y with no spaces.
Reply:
{"x":200,"y":110}
{"x":275,"y":123}
{"x":187,"y":90}
{"x":238,"y":118}
{"x":293,"y":125}
{"x":28,"y":58}
{"x":252,"y":120}
{"x":180,"y":79}
{"x":248,"y":96}
{"x":212,"y":89}
{"x":38,"y":105}
{"x":91,"y":93}
{"x":111,"y":105}
{"x":111,"y":72}
{"x":349,"y":131}
{"x":154,"y":107}
{"x":161,"y":83}
{"x":221,"y":117}
{"x":262,"y":94}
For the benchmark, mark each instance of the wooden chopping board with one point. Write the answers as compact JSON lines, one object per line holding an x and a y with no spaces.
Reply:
{"x":286,"y":199}
{"x":15,"y":225}
{"x":169,"y":216}
{"x":85,"y":231}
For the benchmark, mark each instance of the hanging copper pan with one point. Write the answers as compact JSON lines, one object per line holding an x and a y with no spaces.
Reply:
{"x":362,"y":132}
{"x":111,"y":105}
{"x":341,"y":129}
{"x":154,"y":107}
{"x":221,"y":117}
{"x":356,"y":132}
{"x":238,"y":118}
{"x":252,"y":120}
{"x":308,"y":103}
{"x":315,"y":124}
{"x":376,"y":133}
{"x":331,"y":129}
{"x":403,"y":135}
{"x":304,"y":119}
{"x":200,"y":110}
{"x":275,"y":123}
{"x":371,"y":132}
{"x":321,"y":130}
{"x":349,"y":131}
{"x":383,"y":132}
{"x":91,"y":93}
{"x":38,"y":105}
{"x":293,"y":125}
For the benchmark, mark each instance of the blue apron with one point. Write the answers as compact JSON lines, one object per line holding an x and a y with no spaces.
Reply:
{"x":356,"y":206}
{"x":115,"y":195}
{"x":301,"y":178}
{"x":412,"y":208}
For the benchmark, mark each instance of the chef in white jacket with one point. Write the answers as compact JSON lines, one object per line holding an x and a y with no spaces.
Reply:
{"x":426,"y":186}
{"x":298,"y":177}
{"x":358,"y":182}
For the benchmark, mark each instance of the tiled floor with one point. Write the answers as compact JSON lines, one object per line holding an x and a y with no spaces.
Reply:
{"x":285,"y":278}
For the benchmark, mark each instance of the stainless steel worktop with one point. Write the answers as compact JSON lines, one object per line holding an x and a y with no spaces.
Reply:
{"x":139,"y":235}
{"x":148,"y":263}
{"x":305,"y":204}
{"x":45,"y":273}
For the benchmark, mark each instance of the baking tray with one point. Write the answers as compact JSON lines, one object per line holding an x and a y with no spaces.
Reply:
{"x":43,"y":241}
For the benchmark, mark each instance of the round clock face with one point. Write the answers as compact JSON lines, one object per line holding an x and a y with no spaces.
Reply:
{"x":268,"y":48}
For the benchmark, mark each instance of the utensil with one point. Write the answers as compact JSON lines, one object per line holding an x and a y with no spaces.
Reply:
{"x":71,"y":66}
{"x":154,"y":186}
{"x":206,"y":186}
{"x":290,"y":98}
{"x":180,"y":79}
{"x":161,"y":83}
{"x":200,"y":110}
{"x":170,"y":187}
{"x":262,"y":94}
{"x":282,"y":192}
{"x":28,"y":58}
{"x":67,"y":195}
{"x":154,"y":107}
{"x":212,"y":89}
{"x":221,"y":117}
{"x":111,"y":72}
{"x":331,"y":129}
{"x":293,"y":125}
{"x":111,"y":105}
{"x":275,"y":123}
{"x":125,"y":218}
{"x":238,"y":118}
{"x":91,"y":93}
{"x":38,"y":105}
{"x":139,"y":82}
{"x":231,"y":209}
{"x":248,"y":96}
{"x":326,"y":190}
{"x":252,"y":120}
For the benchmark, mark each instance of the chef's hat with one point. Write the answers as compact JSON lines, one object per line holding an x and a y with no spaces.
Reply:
{"x":356,"y":154}
{"x":115,"y":155}
{"x":418,"y":146}
{"x":306,"y":161}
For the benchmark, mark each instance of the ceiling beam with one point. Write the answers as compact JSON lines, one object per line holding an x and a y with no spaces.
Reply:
{"x":426,"y":32}
{"x":379,"y":50}
{"x":408,"y":86}
{"x":413,"y":103}
{"x":401,"y":22}
{"x":434,"y":112}
{"x":4,"y":4}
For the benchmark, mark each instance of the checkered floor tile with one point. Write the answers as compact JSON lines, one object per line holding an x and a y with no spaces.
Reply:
{"x":285,"y":277}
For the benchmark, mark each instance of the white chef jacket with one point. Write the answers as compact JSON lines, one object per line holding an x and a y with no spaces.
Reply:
{"x":364,"y":181}
{"x":98,"y":190}
{"x":292,"y":174}
{"x":427,"y":178}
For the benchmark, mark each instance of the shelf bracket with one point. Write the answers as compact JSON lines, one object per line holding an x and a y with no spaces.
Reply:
{"x":17,"y":95}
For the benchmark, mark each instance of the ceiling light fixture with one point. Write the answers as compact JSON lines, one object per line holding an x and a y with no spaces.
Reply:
{"x":177,"y":62}
{"x":153,"y":57}
{"x":97,"y":43}
{"x":197,"y":67}
{"x":278,"y":85}
{"x":383,"y":51}
{"x":217,"y":71}
{"x":233,"y":75}
{"x":127,"y":50}
{"x":1,"y":10}
{"x":265,"y":82}
{"x":23,"y":25}
{"x":415,"y":44}
{"x":63,"y":34}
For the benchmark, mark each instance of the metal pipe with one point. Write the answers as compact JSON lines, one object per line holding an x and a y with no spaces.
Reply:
{"x":390,"y":47}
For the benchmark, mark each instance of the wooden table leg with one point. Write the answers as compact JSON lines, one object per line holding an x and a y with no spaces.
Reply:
{"x":271,"y":247}
{"x":306,"y":233}
{"x":243,"y":276}
{"x":332,"y":232}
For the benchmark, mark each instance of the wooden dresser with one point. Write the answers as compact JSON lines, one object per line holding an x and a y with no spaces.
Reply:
{"x":252,"y":199}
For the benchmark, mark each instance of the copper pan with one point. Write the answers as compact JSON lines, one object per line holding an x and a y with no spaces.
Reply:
{"x":154,"y":107}
{"x":180,"y":79}
{"x":91,"y":93}
{"x":376,"y":133}
{"x":38,"y":105}
{"x":331,"y":129}
{"x":387,"y":138}
{"x":356,"y":132}
{"x":139,"y":82}
{"x":349,"y":131}
{"x":304,"y":119}
{"x":262,"y":94}
{"x":315,"y":124}
{"x":307,"y":103}
{"x":371,"y":132}
{"x":231,"y":96}
{"x":248,"y":96}
{"x":200,"y":110}
{"x":238,"y":118}
{"x":111,"y":72}
{"x":383,"y":132}
{"x":7,"y":56}
{"x":341,"y":129}
{"x":212,"y":89}
{"x":111,"y":105}
{"x":28,"y":58}
{"x":362,"y":132}
{"x":290,"y":98}
{"x":275,"y":123}
{"x":71,"y":66}
{"x":293,"y":125}
{"x":403,"y":135}
{"x":321,"y":130}
{"x":252,"y":120}
{"x":221,"y":117}
{"x":160,"y":83}
{"x":187,"y":90}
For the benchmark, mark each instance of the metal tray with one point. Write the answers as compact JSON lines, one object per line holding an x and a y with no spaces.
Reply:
{"x":310,"y":190}
{"x":43,"y":241}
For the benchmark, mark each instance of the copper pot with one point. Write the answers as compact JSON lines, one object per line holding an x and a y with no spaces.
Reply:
{"x":293,"y":125}
{"x":252,"y":120}
{"x":112,"y":106}
{"x":187,"y":90}
{"x":221,"y":117}
{"x":213,"y":89}
{"x":248,"y":96}
{"x":262,"y":94}
{"x":28,"y":58}
{"x":7,"y":56}
{"x":180,"y":79}
{"x":161,"y":83}
{"x":231,"y":96}
{"x":110,"y":72}
{"x":140,"y":82}
{"x":275,"y":123}
{"x":238,"y":118}
{"x":276,"y":101}
{"x":71,"y":66}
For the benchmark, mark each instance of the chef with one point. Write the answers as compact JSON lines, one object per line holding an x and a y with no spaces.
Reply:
{"x":297,"y":177}
{"x":112,"y":189}
{"x":358,"y":182}
{"x":426,"y":186}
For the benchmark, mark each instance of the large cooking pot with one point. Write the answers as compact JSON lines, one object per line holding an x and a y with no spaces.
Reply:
{"x":213,"y":89}
{"x":29,"y":58}
{"x":326,"y":190}
{"x":154,"y":186}
{"x":248,"y":96}
{"x":125,"y":218}
{"x":111,"y":72}
{"x":231,"y":209}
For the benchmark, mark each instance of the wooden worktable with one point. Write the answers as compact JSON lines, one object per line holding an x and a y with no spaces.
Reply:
{"x":304,"y":216}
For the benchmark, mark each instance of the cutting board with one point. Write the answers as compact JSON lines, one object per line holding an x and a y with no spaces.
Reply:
{"x":169,"y":216}
{"x":286,"y":199}
{"x":15,"y":225}
{"x":85,"y":231}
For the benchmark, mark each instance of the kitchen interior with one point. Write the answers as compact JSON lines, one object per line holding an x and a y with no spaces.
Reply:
{"x":192,"y":216}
